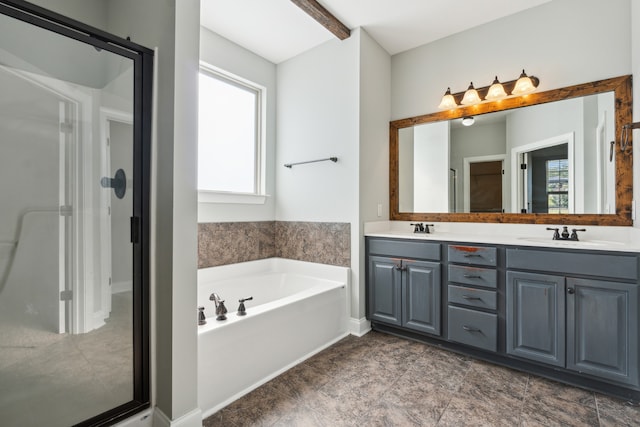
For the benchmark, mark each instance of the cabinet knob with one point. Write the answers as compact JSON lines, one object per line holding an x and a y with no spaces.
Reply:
{"x":571,"y":291}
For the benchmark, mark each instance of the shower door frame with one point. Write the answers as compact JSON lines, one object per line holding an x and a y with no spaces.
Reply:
{"x":142,"y":59}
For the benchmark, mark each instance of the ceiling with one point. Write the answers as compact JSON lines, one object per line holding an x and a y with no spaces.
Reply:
{"x":278,"y":30}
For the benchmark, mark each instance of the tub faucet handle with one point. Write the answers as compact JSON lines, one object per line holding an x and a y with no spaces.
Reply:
{"x":241,"y":308}
{"x":221,"y":310}
{"x":202,"y":319}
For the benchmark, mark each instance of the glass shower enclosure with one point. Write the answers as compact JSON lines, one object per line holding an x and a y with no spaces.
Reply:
{"x":74,"y":155}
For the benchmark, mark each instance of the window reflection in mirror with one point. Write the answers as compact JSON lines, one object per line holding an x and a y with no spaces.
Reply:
{"x":447,"y":167}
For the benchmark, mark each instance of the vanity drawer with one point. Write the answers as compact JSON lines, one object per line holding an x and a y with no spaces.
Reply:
{"x":473,"y":276}
{"x":473,"y":297}
{"x":479,"y":255}
{"x":623,"y":266}
{"x":474,"y":328}
{"x":405,"y":249}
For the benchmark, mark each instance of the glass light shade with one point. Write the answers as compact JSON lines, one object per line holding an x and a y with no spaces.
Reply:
{"x":448,"y":101}
{"x":524,"y":85}
{"x":496,"y":91}
{"x":470,"y":96}
{"x":468,"y":121}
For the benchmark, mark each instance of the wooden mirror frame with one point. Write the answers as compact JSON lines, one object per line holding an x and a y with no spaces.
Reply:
{"x":621,"y":86}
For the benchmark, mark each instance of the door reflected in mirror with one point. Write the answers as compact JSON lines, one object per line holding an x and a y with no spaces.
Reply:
{"x":550,"y":158}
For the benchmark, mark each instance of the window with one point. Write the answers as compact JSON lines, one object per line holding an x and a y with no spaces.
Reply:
{"x":558,"y":186}
{"x":229,"y":135}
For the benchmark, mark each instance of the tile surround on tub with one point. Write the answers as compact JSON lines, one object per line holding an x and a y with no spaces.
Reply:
{"x":222,"y":243}
{"x":233,"y":242}
{"x":320,"y":242}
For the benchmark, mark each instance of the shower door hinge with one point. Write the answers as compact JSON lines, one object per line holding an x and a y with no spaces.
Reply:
{"x":66,"y":295}
{"x":66,"y":210}
{"x":66,"y":127}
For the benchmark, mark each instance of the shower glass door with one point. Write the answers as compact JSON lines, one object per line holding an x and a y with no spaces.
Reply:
{"x":70,"y":291}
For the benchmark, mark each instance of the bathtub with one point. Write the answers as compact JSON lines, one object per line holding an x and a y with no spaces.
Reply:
{"x":298,"y":309}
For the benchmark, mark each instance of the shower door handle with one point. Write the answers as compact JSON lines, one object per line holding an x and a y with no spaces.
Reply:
{"x":118,"y":183}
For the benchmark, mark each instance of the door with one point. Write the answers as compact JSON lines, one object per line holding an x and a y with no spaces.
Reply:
{"x":602,"y":329}
{"x":536,"y":317}
{"x":61,"y":363}
{"x":421,"y":296}
{"x":385,"y":290}
{"x":485,"y":186}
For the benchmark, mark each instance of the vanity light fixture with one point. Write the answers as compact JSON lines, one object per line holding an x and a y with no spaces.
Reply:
{"x":523,"y":85}
{"x":448,"y":101}
{"x":468,"y":121}
{"x":496,"y":91}
{"x":471,"y":96}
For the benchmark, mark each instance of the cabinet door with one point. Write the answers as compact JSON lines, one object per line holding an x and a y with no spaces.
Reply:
{"x":602,"y":329}
{"x":536,"y":317}
{"x":421,"y":293}
{"x":385,"y":290}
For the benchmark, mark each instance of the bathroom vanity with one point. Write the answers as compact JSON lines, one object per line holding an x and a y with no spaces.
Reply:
{"x":564,"y":311}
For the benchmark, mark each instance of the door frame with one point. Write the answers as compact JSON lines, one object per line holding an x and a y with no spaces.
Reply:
{"x":107,"y":115}
{"x":518,"y":190}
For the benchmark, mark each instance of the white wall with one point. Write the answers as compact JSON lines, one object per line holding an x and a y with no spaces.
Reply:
{"x":318,"y":117}
{"x":375,"y":98}
{"x":405,"y":169}
{"x":430,"y":165}
{"x":226,"y":55}
{"x":563,"y":42}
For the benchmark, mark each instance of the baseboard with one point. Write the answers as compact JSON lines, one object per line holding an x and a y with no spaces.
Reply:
{"x":359,"y":327}
{"x":192,"y":419}
{"x":117,"y":287}
{"x":142,"y":419}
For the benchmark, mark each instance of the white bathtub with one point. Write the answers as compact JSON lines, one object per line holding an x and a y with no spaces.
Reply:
{"x":298,"y":309}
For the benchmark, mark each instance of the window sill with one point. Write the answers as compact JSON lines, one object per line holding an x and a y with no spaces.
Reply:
{"x":234,"y":198}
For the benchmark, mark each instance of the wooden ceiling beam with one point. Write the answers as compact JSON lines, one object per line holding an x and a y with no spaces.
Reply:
{"x":324,"y":17}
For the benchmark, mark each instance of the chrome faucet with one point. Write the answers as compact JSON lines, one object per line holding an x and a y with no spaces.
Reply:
{"x":221,"y":310}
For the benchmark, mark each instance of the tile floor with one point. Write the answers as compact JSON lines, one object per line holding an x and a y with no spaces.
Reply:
{"x":381,"y":380}
{"x":56,"y":380}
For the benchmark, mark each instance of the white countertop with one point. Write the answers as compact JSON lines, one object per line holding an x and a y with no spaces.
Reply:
{"x":602,"y":238}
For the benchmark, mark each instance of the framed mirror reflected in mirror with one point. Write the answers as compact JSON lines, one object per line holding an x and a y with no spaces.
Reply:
{"x":548,"y":157}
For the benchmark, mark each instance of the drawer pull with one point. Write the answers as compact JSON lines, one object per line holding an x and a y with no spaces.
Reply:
{"x":472,"y":276}
{"x":471,"y":297}
{"x":470,"y":328}
{"x":472,"y":255}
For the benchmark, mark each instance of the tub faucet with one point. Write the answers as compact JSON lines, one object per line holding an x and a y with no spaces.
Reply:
{"x":221,"y":310}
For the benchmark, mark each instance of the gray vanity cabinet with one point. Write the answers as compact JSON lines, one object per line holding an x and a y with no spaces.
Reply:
{"x":404,"y":291}
{"x":385,"y":290}
{"x":602,"y":329}
{"x":536,"y":317}
{"x":588,"y":325}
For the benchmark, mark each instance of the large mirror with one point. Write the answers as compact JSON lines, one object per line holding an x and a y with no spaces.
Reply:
{"x":550,"y":157}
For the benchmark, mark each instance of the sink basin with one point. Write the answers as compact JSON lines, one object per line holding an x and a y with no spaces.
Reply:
{"x":571,"y":243}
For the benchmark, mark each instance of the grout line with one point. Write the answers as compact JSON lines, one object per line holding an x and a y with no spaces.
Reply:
{"x":595,"y":397}
{"x":524,"y":398}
